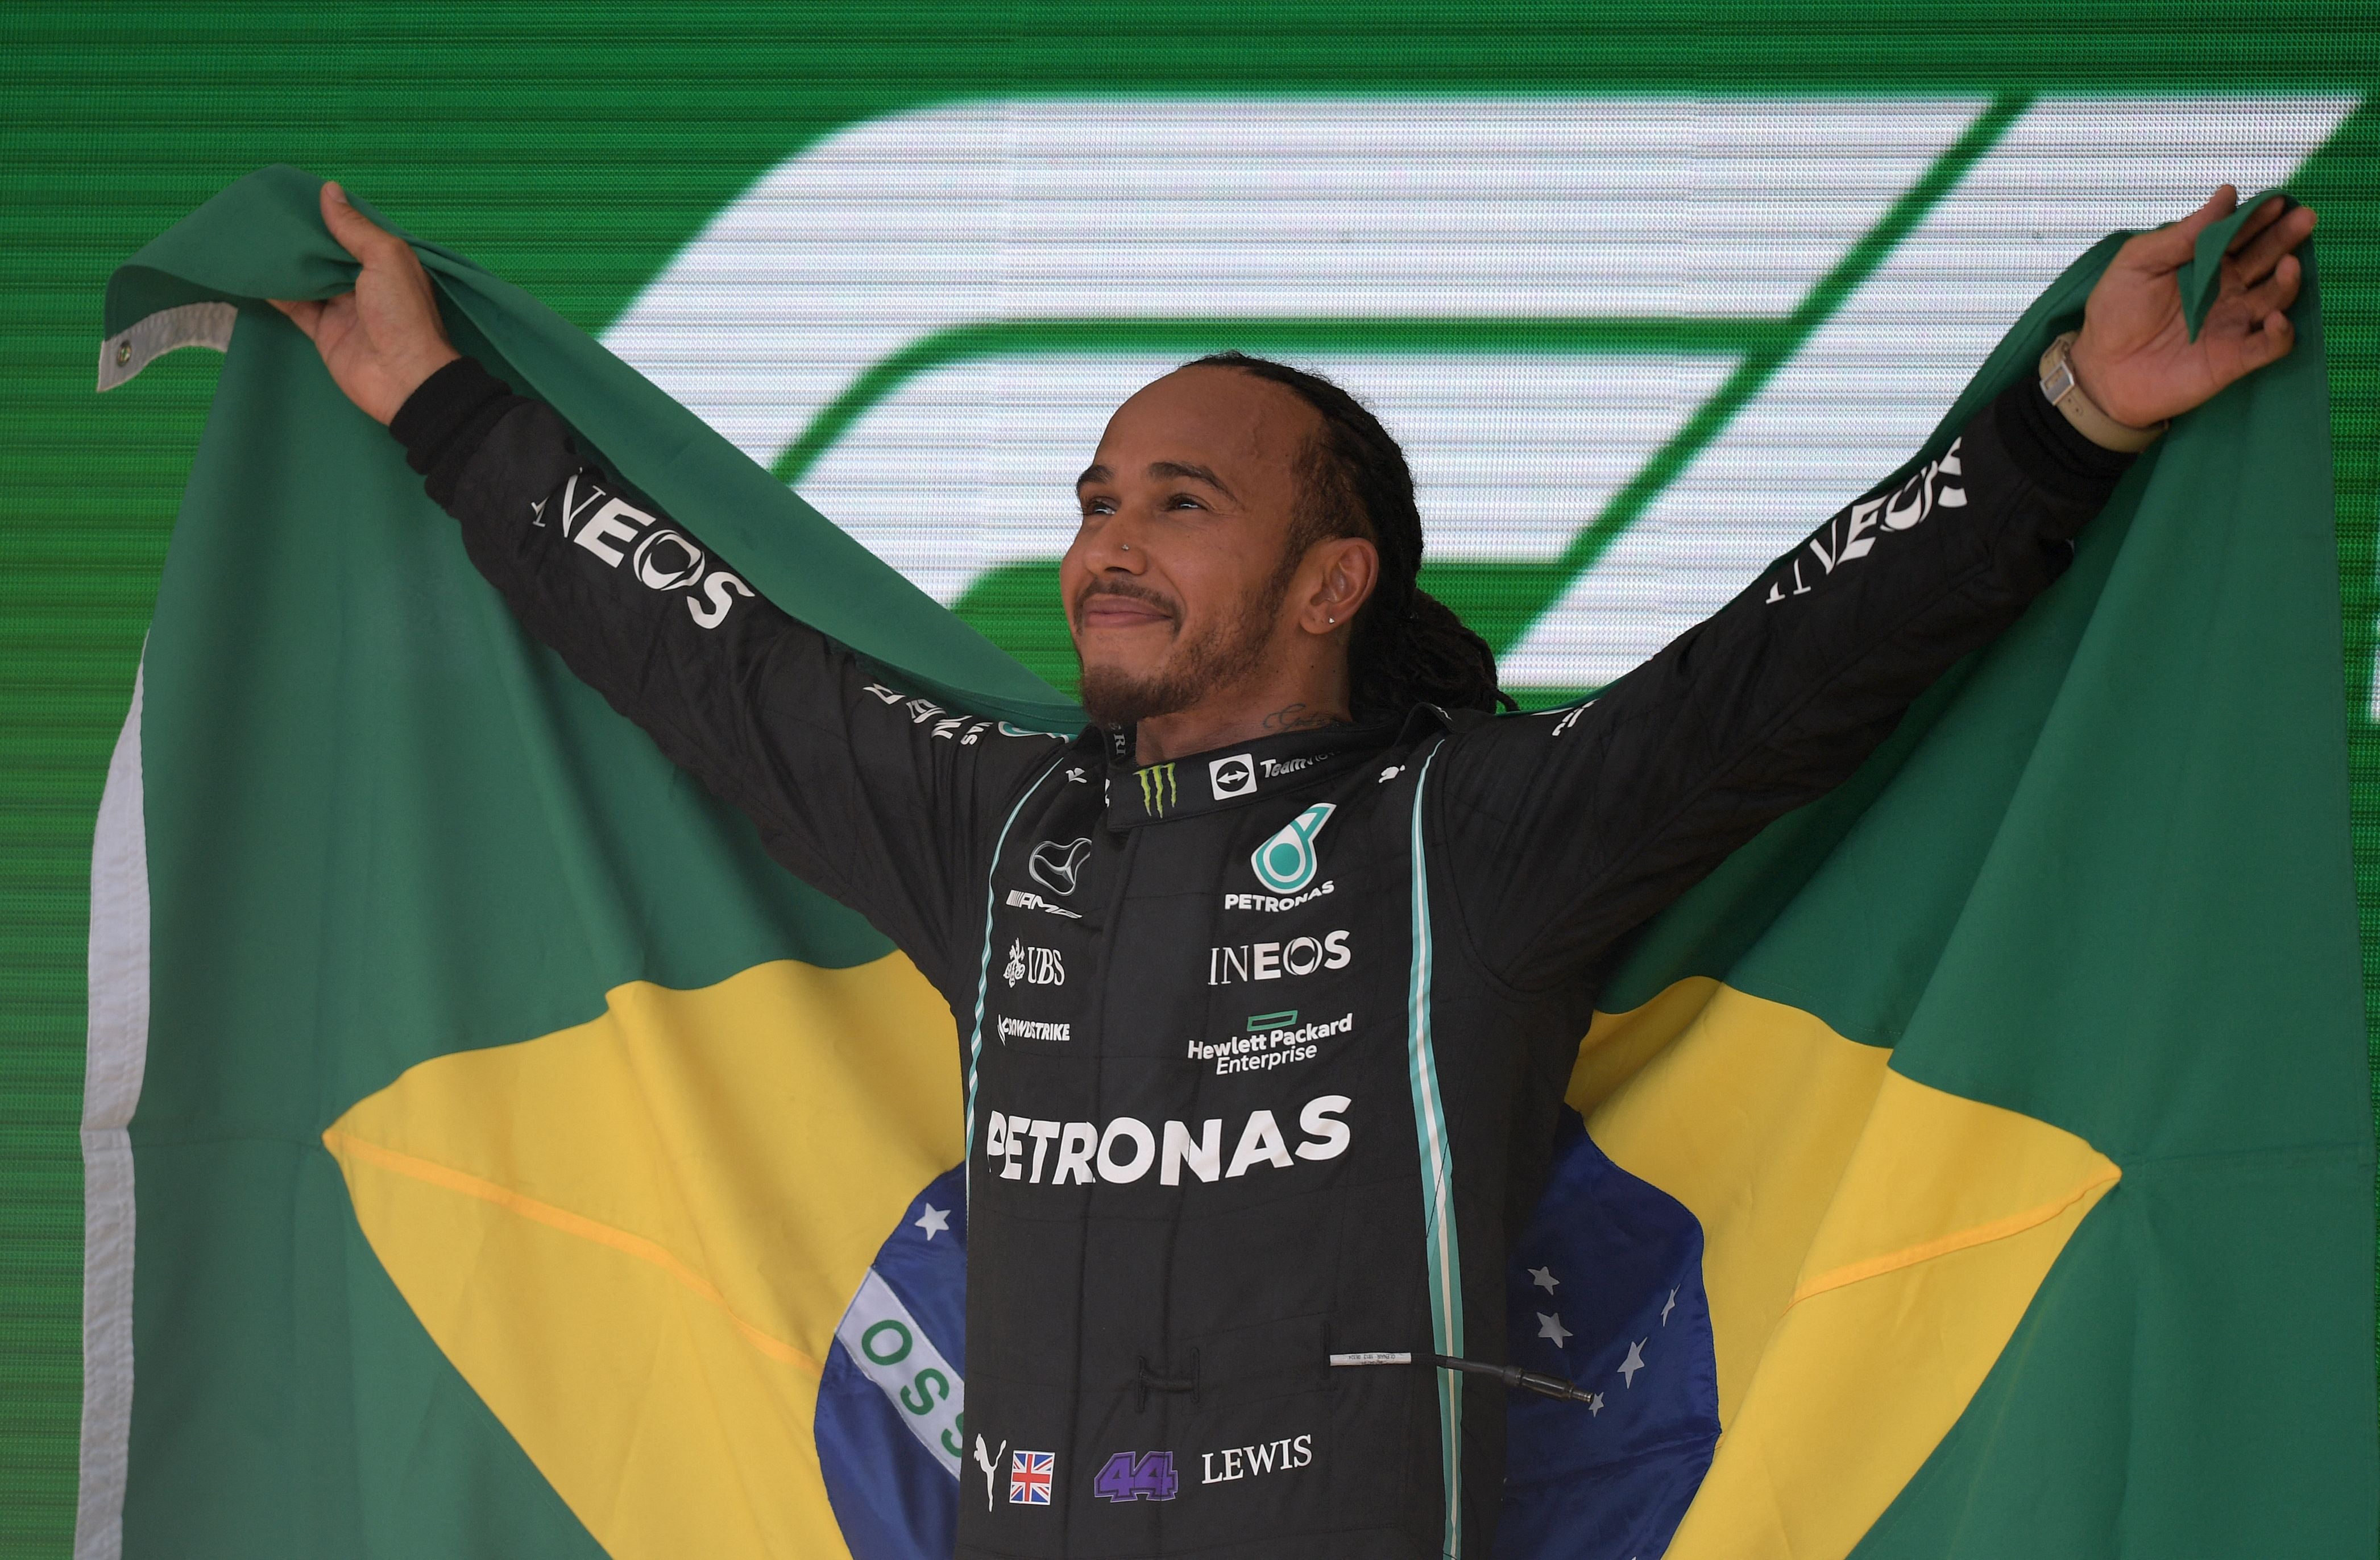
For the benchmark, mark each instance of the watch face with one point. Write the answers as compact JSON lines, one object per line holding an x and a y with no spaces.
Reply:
{"x":2056,"y":372}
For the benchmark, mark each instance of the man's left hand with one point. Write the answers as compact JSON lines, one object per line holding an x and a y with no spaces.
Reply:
{"x":2135,"y":358}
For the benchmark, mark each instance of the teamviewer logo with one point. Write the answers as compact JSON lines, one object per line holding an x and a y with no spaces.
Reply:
{"x":1232,"y":776}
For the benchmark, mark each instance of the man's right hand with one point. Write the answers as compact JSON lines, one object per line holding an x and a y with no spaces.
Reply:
{"x":382,"y":340}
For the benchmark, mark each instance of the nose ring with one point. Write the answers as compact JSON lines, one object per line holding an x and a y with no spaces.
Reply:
{"x":1127,"y":546}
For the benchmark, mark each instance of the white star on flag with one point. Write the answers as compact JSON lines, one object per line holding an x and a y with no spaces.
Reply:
{"x":933,"y":1220}
{"x":1667,"y":1306}
{"x":1543,"y":1277}
{"x":1552,"y":1327}
{"x":1595,"y":1406}
{"x":1634,"y":1362}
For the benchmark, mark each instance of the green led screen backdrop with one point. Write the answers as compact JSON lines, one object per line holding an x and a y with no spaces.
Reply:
{"x":1645,"y":292}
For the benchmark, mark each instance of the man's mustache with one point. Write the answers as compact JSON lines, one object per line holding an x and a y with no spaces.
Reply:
{"x":1128,"y":589}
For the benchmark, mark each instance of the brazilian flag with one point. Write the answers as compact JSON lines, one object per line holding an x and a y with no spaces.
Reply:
{"x":493,"y":1155}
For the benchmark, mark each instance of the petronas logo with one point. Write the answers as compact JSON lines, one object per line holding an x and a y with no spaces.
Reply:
{"x":1157,"y":790}
{"x":1286,"y":863}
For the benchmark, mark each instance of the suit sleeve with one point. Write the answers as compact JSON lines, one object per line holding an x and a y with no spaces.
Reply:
{"x":883,"y":800}
{"x":1573,"y":827}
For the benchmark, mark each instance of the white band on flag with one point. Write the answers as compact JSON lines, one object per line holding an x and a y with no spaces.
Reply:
{"x":145,"y":340}
{"x":117,"y":1055}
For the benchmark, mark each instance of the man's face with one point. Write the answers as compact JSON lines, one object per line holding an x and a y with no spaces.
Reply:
{"x":1174,"y":585}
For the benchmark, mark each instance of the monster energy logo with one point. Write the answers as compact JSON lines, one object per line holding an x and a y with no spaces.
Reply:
{"x":1157,"y":790}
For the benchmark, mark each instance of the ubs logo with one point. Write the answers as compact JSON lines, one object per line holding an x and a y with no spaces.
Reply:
{"x":1232,"y":776}
{"x":1035,"y":967}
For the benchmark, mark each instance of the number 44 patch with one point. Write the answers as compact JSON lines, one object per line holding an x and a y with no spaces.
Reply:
{"x":1137,"y":1476}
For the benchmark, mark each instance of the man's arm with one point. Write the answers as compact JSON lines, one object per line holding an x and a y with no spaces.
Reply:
{"x":1572,"y":827}
{"x":880,"y":797}
{"x":874,"y":795}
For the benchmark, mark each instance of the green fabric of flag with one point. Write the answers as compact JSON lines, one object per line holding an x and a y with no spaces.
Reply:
{"x":358,"y":820}
{"x":511,"y":1138}
{"x":2101,"y":880}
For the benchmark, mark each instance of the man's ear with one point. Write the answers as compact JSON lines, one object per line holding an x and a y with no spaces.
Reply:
{"x":1345,"y":570}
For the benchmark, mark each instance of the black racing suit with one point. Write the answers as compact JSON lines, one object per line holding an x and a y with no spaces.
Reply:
{"x":1263,"y":1047}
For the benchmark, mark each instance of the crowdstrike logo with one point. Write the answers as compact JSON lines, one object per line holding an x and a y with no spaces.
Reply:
{"x":1031,"y":1028}
{"x":1126,"y":1148}
{"x":1232,"y":776}
{"x":1286,"y":863}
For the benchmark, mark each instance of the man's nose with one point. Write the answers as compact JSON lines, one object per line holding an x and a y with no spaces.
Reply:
{"x":1120,"y":545}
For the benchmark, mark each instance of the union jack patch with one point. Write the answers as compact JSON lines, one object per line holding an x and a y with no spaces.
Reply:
{"x":1028,"y":1477}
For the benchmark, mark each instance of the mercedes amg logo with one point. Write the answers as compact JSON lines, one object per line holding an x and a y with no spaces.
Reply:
{"x":1053,"y":866}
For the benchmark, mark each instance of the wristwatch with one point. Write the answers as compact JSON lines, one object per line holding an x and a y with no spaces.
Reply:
{"x":2060,"y":388}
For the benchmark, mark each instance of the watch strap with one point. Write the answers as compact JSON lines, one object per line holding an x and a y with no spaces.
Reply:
{"x":2062,"y":390}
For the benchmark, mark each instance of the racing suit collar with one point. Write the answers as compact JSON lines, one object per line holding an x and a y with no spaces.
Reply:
{"x":1197,"y":784}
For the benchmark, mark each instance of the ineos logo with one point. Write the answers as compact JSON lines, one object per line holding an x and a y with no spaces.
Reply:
{"x":666,"y":559}
{"x":663,"y":559}
{"x":1234,"y":776}
{"x":1270,"y":961}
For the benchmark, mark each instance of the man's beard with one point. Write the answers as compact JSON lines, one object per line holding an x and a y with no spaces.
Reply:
{"x":1222,"y":656}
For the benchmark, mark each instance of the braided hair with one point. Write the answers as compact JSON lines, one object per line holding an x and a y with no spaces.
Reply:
{"x":1408,"y":647}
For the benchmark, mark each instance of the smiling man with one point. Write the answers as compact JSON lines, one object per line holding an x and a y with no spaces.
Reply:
{"x":1268,"y":984}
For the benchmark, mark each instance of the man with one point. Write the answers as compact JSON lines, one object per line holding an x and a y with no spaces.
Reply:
{"x":1268,"y":984}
